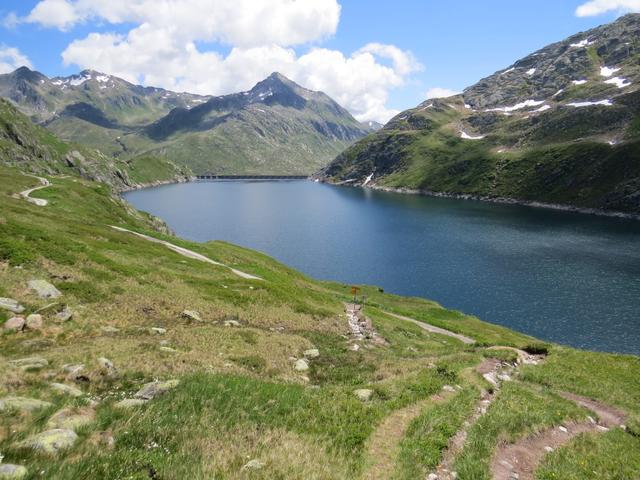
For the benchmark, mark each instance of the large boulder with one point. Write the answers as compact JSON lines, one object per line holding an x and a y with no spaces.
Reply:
{"x":29,"y":363}
{"x":72,"y":419}
{"x":22,"y":404}
{"x":154,"y":389}
{"x":51,"y":441}
{"x":363,"y":394}
{"x":11,"y":305}
{"x":16,"y":324}
{"x":67,"y":389}
{"x":44,"y":289}
{"x":9,"y":471}
{"x":301,"y":365}
{"x":34,"y":322}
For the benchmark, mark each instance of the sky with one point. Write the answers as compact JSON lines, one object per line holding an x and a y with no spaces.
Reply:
{"x":374,"y":57}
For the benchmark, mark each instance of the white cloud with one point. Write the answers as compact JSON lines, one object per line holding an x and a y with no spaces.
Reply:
{"x":11,"y":58}
{"x":238,"y":22}
{"x":438,"y":92}
{"x":598,"y":7}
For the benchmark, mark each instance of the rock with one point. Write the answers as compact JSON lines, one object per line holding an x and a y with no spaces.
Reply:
{"x":130,"y":403}
{"x":154,"y":389}
{"x":34,"y":322}
{"x":71,"y":419}
{"x":232,"y":323}
{"x":312,"y":353}
{"x":562,"y":429}
{"x":107,"y":367}
{"x":9,"y":471}
{"x":15,"y":323}
{"x":11,"y":305}
{"x":363,"y":394}
{"x":109,"y":329}
{"x":73,"y":370}
{"x":51,"y":441}
{"x":37,"y":343}
{"x":168,"y":350}
{"x":67,"y":389}
{"x":64,"y":316}
{"x":254,"y":464}
{"x":23,"y":404}
{"x":504,"y":377}
{"x":448,"y":388}
{"x":432,"y":476}
{"x":44,"y":289}
{"x":548,"y":449}
{"x":301,"y":365}
{"x":164,"y":343}
{"x":30,"y":363}
{"x":191,"y":315}
{"x":158,"y":330}
{"x":355,"y":347}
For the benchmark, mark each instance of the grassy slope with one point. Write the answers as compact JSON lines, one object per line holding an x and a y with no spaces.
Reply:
{"x":33,"y":148}
{"x":239,"y":397}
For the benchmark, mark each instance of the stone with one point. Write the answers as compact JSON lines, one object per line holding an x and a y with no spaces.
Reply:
{"x":312,"y":353}
{"x":109,"y":329}
{"x":67,"y":389}
{"x":548,"y":449}
{"x":73,"y":371}
{"x":154,"y":389}
{"x":15,"y":323}
{"x":231,"y":323}
{"x":254,"y":464}
{"x":504,"y":377}
{"x":363,"y":394}
{"x":448,"y":388}
{"x":164,"y":343}
{"x":432,"y":476}
{"x":34,"y":322}
{"x":191,"y":315}
{"x":107,"y":367}
{"x":158,"y":330}
{"x":51,"y":441}
{"x":11,"y":305}
{"x":562,"y":429}
{"x":44,"y":289}
{"x":301,"y":365}
{"x":64,"y":316}
{"x":37,"y":343}
{"x":23,"y":404}
{"x":9,"y":471}
{"x":72,"y":419}
{"x":30,"y":363}
{"x":130,"y":403}
{"x":168,"y":350}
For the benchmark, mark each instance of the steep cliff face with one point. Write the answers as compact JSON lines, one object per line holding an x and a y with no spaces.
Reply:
{"x":561,"y":125}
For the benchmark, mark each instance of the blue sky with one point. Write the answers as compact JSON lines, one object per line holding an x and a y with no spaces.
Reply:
{"x":445,"y":44}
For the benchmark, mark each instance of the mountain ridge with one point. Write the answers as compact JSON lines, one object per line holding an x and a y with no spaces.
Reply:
{"x":277,"y":127}
{"x":560,"y":126}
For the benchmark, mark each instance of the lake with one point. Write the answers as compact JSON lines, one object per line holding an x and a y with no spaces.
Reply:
{"x":565,"y":277}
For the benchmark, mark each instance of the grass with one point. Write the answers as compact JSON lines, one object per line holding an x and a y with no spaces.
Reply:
{"x":517,"y":411}
{"x":240,"y":397}
{"x":429,"y":434}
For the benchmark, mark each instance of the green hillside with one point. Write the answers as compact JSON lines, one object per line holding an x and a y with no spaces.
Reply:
{"x":130,"y":358}
{"x":556,"y":127}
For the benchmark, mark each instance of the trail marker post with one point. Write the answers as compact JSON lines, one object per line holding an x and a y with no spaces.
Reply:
{"x":354,"y":291}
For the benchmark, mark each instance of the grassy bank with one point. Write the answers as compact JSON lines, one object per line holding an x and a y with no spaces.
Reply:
{"x":240,"y":396}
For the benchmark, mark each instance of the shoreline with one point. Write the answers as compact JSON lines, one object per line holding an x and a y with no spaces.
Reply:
{"x":497,"y":200}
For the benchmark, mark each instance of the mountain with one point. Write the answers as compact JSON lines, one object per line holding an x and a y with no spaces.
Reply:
{"x":32,"y":148}
{"x":277,"y":127}
{"x":561,"y":125}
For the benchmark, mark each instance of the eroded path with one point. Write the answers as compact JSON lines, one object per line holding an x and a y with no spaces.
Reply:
{"x":384,"y":442}
{"x":520,"y":459}
{"x":188,"y":253}
{"x":434,"y":329}
{"x":41,"y":202}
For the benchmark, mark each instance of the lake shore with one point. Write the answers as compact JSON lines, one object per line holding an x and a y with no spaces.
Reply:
{"x":499,"y":200}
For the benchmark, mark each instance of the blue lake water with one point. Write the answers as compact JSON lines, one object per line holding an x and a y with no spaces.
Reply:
{"x":565,"y":277}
